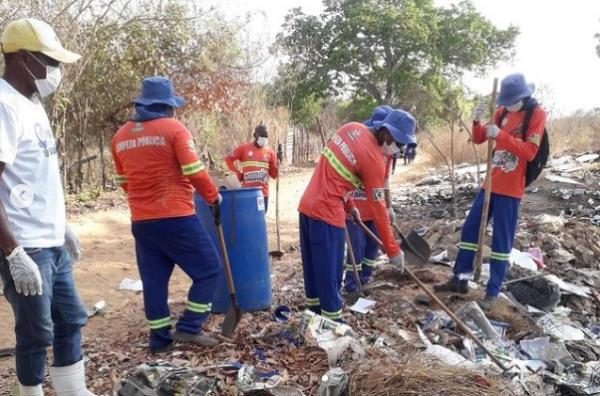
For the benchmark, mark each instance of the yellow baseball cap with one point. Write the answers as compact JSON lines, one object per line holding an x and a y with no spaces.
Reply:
{"x":35,"y":36}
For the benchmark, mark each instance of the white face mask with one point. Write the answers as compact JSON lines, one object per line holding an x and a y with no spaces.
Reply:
{"x":390,"y":149}
{"x":515,"y":107}
{"x":46,"y":86}
{"x":262,"y":141}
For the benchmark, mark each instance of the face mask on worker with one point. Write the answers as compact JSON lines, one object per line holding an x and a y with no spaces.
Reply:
{"x":513,"y":108}
{"x":46,"y":86}
{"x":262,"y":141}
{"x":390,"y":149}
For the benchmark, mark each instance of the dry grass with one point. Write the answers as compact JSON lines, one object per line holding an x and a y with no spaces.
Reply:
{"x":578,"y":132}
{"x":417,"y":375}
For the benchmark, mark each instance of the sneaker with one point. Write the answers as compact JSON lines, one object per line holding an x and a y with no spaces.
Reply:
{"x":198,"y":339}
{"x":453,"y":286}
{"x":487,"y":302}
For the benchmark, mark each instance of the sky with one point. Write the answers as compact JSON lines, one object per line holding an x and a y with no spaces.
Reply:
{"x":555,"y":49}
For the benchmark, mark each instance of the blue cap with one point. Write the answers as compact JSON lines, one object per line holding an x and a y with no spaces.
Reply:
{"x":513,"y":88}
{"x":379,"y":114}
{"x":401,"y":125}
{"x":158,"y":90}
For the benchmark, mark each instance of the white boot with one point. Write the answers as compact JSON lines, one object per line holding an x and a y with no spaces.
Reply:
{"x":31,"y":390}
{"x":69,"y":380}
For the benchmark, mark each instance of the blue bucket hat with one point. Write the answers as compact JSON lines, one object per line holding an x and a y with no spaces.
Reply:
{"x":401,"y":125}
{"x":513,"y":88}
{"x":379,"y":114}
{"x":158,"y":90}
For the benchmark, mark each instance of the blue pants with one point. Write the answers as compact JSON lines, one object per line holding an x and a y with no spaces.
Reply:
{"x":159,"y":245}
{"x":322,"y":247}
{"x":504,"y":211}
{"x":365,"y":253}
{"x":53,"y":319}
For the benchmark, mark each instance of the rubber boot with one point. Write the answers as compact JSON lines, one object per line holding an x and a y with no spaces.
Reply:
{"x":454,"y":285}
{"x":31,"y":390}
{"x":69,"y":380}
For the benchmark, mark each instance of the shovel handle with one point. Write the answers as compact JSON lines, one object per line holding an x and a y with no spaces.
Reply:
{"x":227,"y":266}
{"x":487,"y":193}
{"x":435,"y":298}
{"x":353,"y":261}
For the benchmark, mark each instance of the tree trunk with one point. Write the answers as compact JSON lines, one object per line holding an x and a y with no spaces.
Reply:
{"x":103,"y":181}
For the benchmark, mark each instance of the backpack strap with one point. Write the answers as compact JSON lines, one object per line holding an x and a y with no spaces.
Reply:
{"x":502,"y":117}
{"x":530,"y":106}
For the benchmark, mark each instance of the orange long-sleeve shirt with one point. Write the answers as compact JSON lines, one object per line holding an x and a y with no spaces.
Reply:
{"x":351,"y":159}
{"x":512,"y":153}
{"x":156,"y":164}
{"x":257,"y":165}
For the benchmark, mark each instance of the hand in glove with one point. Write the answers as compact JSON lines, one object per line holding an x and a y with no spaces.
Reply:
{"x":479,"y":111}
{"x":240,"y":176}
{"x":392,"y":215}
{"x":355,"y":215}
{"x":25,"y":273}
{"x":492,"y":131}
{"x":398,"y":261}
{"x":72,"y":244}
{"x":215,"y":209}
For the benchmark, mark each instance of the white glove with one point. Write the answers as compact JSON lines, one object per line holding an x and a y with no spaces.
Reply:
{"x":72,"y":245}
{"x":25,"y":273}
{"x":479,"y":110}
{"x":219,"y":199}
{"x":398,"y":261}
{"x":392,"y":215}
{"x":492,"y":131}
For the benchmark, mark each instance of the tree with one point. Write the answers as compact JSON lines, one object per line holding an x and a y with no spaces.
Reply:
{"x":391,"y":50}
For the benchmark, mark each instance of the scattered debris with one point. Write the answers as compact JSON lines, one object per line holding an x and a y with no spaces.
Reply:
{"x":131,"y":285}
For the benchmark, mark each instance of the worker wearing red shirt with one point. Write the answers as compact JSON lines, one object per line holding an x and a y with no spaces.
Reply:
{"x":258,"y":162}
{"x":157,"y":166}
{"x":353,"y":158}
{"x":364,"y":248}
{"x":508,"y":183}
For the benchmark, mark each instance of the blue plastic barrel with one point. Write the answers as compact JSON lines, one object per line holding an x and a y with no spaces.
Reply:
{"x":245,"y":230}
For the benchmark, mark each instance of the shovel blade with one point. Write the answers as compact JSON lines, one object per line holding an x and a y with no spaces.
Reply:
{"x":416,"y":249}
{"x":276,"y":254}
{"x":232,"y":318}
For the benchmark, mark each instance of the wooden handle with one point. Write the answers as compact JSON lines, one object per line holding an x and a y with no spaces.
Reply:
{"x":353,"y":260}
{"x":435,"y":298}
{"x":226,"y":265}
{"x":488,"y":190}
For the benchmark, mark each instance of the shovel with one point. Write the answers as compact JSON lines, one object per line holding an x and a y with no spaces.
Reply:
{"x":361,"y":290}
{"x":415,"y":248}
{"x":277,"y":254}
{"x":234,"y":313}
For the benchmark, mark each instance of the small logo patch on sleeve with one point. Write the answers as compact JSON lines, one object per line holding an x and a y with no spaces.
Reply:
{"x":378,"y":194}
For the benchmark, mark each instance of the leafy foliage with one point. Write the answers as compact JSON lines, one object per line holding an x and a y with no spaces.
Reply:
{"x":397,"y":52}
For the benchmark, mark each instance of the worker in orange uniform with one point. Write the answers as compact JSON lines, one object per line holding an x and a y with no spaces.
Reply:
{"x":518,"y":129}
{"x":258,"y":162}
{"x":365,"y":249}
{"x":353,"y":158}
{"x":157,"y":166}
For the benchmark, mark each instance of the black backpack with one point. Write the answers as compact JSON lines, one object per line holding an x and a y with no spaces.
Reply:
{"x":534,"y":167}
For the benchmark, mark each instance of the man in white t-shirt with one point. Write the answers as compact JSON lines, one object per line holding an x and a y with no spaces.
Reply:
{"x":34,"y":264}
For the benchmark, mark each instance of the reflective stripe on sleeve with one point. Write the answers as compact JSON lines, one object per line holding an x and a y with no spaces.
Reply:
{"x":337,"y":165}
{"x":192,"y":168}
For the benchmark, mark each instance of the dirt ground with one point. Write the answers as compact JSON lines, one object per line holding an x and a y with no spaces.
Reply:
{"x":117,"y":339}
{"x":108,"y":257}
